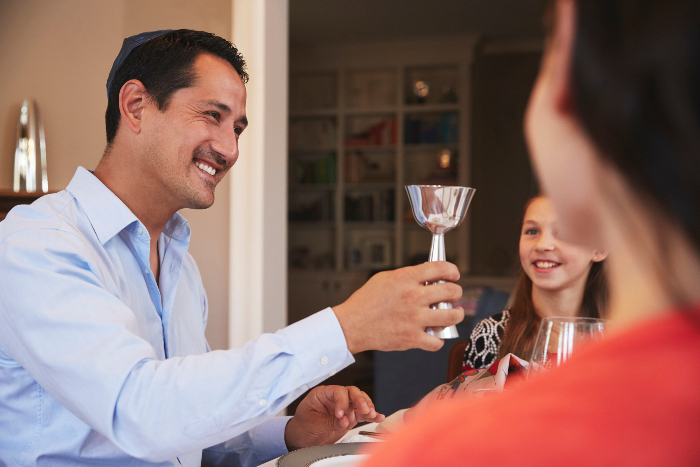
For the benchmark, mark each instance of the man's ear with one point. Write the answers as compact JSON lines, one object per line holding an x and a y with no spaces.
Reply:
{"x":562,"y":39}
{"x":132,"y":103}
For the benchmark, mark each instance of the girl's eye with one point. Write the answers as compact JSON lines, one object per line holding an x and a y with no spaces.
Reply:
{"x":531,"y":232}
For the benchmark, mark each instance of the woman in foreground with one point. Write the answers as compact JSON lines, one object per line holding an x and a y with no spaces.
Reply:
{"x":613,"y":127}
{"x":557,"y":279}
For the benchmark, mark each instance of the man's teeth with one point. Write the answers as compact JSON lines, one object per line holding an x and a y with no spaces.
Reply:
{"x":545,"y":264}
{"x":206,"y":168}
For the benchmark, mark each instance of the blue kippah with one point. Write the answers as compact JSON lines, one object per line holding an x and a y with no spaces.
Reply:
{"x":130,"y":43}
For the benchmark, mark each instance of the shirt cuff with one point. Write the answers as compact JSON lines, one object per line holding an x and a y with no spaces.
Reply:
{"x":319,"y":345}
{"x":268,"y":439}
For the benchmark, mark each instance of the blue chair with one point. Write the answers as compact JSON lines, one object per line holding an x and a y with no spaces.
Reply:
{"x":402,"y":378}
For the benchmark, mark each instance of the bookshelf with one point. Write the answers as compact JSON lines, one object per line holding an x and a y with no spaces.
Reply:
{"x":357,"y":136}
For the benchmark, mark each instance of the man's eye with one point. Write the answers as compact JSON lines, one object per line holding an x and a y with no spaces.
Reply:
{"x":238,"y":130}
{"x":214,"y":115}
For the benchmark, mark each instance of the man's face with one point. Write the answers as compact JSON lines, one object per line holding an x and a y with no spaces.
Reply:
{"x":194,"y":142}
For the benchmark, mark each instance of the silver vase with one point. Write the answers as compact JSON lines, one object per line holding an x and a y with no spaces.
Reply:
{"x":30,"y":151}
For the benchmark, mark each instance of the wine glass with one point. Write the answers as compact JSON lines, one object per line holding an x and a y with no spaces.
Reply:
{"x":559,"y":337}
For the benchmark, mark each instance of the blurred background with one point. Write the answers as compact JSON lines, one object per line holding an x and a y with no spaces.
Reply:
{"x":351,"y":101}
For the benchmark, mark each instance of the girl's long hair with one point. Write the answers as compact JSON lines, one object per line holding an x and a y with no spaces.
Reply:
{"x":524,"y":322}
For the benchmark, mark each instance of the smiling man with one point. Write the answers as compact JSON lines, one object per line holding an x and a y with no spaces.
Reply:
{"x":103,"y":357}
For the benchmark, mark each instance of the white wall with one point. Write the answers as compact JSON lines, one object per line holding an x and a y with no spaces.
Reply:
{"x":60,"y":53}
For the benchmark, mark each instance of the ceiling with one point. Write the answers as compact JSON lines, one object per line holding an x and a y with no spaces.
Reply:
{"x":324,"y":21}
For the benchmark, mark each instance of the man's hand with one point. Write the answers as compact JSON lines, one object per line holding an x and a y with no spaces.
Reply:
{"x":392,"y":310}
{"x":326,"y":414}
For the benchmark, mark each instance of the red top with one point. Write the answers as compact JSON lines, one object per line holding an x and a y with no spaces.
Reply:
{"x":632,"y":399}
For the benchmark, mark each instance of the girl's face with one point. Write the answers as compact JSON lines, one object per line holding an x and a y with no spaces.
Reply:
{"x":550,"y":262}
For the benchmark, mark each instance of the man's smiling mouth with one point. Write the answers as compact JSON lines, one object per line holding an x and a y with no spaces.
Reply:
{"x":205,"y":168}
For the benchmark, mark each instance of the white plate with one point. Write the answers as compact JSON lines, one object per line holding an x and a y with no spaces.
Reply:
{"x":341,"y":461}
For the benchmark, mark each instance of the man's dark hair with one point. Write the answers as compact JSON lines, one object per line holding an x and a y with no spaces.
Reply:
{"x":164,"y":65}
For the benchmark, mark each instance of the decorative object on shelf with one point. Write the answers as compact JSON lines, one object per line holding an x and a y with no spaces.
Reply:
{"x":439,"y":209}
{"x":369,"y":249}
{"x":432,"y":85}
{"x":28,"y":170}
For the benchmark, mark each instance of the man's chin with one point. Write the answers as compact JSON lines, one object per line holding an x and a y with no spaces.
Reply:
{"x":202,"y":203}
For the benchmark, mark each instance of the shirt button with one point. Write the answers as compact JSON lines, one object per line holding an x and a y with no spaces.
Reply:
{"x":325,"y":361}
{"x":140,"y":230}
{"x":332,"y":373}
{"x":262,"y":402}
{"x":146,"y":271}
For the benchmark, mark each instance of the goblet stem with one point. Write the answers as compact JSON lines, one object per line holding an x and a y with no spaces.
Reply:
{"x":437,"y":248}
{"x":437,"y":253}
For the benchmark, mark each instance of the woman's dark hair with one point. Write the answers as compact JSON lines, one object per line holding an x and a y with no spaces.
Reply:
{"x":636,"y":91}
{"x":164,"y":65}
{"x":523,"y":323}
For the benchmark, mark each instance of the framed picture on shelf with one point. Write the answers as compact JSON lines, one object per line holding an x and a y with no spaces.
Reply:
{"x":378,"y":252}
{"x":369,"y":249}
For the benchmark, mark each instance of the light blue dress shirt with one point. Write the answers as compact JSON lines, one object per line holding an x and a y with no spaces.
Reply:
{"x":100,"y":366}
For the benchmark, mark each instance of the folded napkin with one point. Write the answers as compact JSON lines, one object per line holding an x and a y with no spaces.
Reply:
{"x":485,"y":381}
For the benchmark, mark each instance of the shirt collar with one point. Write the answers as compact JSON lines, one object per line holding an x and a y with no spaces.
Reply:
{"x":108,"y":214}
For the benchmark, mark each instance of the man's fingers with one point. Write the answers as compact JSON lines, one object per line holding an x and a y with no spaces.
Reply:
{"x":436,"y":270}
{"x":362,"y":403}
{"x":336,"y":400}
{"x":430,"y":343}
{"x":434,"y":293}
{"x":442,"y":318}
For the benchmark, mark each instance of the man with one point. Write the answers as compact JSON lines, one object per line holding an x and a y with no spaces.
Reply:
{"x":103,"y":358}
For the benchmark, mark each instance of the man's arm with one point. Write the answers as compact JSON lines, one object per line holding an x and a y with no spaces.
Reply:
{"x":82,"y":344}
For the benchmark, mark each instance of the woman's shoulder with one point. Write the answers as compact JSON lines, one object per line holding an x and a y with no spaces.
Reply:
{"x":492,"y":322}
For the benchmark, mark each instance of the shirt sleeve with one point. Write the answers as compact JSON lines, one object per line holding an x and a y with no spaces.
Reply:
{"x":62,"y":324}
{"x":254,"y":447}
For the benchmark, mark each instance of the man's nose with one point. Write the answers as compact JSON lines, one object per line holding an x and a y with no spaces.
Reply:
{"x":226,"y":144}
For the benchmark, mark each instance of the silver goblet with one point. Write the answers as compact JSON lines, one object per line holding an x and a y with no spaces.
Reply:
{"x":439,"y":209}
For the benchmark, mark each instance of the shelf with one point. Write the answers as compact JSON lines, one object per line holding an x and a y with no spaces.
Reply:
{"x":313,"y":113}
{"x":417,"y":108}
{"x":298,"y":152}
{"x":369,"y":148}
{"x":304,"y":225}
{"x":369,"y":186}
{"x":313,"y":187}
{"x":430,"y":146}
{"x":371,"y":110}
{"x":370,"y":225}
{"x":5,"y":193}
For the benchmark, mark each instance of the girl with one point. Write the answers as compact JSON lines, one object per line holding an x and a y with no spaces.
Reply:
{"x":557,"y":279}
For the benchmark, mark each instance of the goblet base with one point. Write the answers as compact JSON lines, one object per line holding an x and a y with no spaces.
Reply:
{"x":449,"y":332}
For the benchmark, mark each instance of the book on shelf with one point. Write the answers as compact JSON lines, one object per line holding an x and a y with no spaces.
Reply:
{"x":376,"y":206}
{"x":432,"y":128}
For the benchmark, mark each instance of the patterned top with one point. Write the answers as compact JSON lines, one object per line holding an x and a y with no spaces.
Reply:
{"x":482,"y":348}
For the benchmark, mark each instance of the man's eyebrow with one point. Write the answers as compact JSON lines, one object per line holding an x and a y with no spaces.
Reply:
{"x":243,"y":120}
{"x":219,"y":105}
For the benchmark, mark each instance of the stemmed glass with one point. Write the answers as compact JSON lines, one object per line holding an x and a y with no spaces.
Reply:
{"x":439,"y":209}
{"x":559,"y":337}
